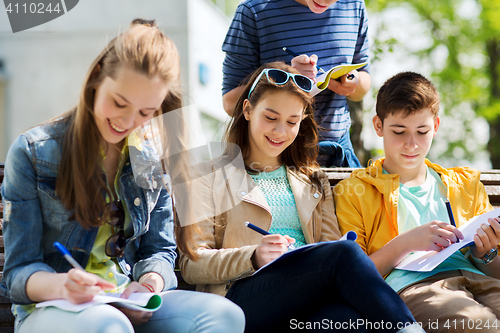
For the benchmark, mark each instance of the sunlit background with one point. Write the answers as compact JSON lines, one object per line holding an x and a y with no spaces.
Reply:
{"x":456,"y":43}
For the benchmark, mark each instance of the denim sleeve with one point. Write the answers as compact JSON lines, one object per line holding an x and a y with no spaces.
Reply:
{"x":242,"y":47}
{"x":157,"y":245}
{"x":23,"y":225}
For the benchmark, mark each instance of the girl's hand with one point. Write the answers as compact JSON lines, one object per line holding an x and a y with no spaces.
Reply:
{"x":80,"y":286}
{"x":270,"y":248}
{"x":306,"y":65}
{"x":486,"y":238}
{"x":347,"y":84}
{"x":432,"y":236}
{"x":136,"y":317}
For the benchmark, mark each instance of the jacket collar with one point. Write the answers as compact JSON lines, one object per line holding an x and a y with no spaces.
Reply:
{"x":305,"y":194}
{"x":386,"y":183}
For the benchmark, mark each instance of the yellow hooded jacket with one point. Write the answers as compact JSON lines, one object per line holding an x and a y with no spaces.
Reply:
{"x":367,"y":202}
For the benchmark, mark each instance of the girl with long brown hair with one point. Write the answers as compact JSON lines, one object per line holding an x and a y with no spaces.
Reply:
{"x":70,"y":180}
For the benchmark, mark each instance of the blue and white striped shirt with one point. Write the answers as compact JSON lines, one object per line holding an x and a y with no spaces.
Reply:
{"x":261,"y":28}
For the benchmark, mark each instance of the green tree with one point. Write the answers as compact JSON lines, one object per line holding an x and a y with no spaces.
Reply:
{"x":227,"y":6}
{"x":467,"y":33}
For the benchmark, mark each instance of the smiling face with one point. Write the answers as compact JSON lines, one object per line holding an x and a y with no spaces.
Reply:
{"x":123,"y":104}
{"x":407,"y":141}
{"x":317,"y":6}
{"x":273,"y":125}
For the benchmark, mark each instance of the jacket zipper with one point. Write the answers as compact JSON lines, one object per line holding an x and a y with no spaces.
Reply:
{"x":314,"y":229}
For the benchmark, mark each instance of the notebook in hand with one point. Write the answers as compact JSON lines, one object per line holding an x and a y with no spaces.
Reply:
{"x":137,"y":301}
{"x":350,"y":235}
{"x":426,"y":261}
{"x":333,"y":74}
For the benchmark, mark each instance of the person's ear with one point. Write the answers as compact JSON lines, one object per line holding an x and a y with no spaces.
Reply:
{"x":437,"y":121}
{"x":378,"y":125}
{"x":247,"y":107}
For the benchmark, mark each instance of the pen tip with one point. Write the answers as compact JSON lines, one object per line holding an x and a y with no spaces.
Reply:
{"x":284,"y":48}
{"x":246,"y":223}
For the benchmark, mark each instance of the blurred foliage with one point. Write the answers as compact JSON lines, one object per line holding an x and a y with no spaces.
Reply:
{"x":227,"y":6}
{"x":467,"y":34}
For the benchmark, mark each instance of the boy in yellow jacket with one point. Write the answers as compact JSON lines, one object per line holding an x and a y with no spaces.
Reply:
{"x":397,"y":206}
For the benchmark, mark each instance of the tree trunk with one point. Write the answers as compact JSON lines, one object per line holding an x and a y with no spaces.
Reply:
{"x":493,"y":49}
{"x":356,"y":109}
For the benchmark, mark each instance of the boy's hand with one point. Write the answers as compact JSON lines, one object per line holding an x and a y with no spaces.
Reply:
{"x":346,"y":85}
{"x":270,"y":248}
{"x":80,"y":286}
{"x":306,"y":65}
{"x":432,"y":236}
{"x":486,"y":238}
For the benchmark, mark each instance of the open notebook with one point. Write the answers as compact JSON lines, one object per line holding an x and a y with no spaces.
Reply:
{"x":333,"y":74}
{"x":426,"y":261}
{"x":137,"y":301}
{"x":350,"y":235}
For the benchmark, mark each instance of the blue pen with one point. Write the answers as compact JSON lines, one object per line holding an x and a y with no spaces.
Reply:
{"x":290,"y":52}
{"x":65,"y":253}
{"x":263,"y":232}
{"x":256,"y":228}
{"x":450,"y":215}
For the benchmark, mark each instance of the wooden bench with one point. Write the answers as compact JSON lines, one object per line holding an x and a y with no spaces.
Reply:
{"x":6,"y":316}
{"x":490,"y":179}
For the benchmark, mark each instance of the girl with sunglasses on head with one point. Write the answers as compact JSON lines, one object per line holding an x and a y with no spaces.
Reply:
{"x":281,"y":189}
{"x":70,"y":180}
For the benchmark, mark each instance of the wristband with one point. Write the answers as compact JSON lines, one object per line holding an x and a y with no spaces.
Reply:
{"x":486,"y":259}
{"x":148,"y":287}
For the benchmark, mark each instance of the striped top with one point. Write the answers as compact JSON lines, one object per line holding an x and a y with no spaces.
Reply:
{"x":261,"y":28}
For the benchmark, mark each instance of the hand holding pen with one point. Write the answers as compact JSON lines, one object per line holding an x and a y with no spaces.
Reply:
{"x":306,"y":65}
{"x":80,"y":286}
{"x":270,"y":247}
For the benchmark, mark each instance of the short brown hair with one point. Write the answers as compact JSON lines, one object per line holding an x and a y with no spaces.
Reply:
{"x":406,"y":92}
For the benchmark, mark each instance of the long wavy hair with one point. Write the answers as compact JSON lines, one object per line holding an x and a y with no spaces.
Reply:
{"x":80,"y":183}
{"x":302,"y":153}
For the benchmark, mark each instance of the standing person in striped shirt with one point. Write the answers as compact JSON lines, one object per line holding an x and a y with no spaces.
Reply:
{"x":331,"y":32}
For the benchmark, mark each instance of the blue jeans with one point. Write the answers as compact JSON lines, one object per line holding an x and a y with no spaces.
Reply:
{"x":333,"y":284}
{"x":338,"y":153}
{"x":181,"y":312}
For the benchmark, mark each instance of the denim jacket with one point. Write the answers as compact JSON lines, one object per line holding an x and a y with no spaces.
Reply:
{"x":34,"y":218}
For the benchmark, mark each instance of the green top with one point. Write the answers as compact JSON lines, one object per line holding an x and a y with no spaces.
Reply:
{"x":418,"y":205}
{"x":278,"y":193}
{"x":99,"y":263}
